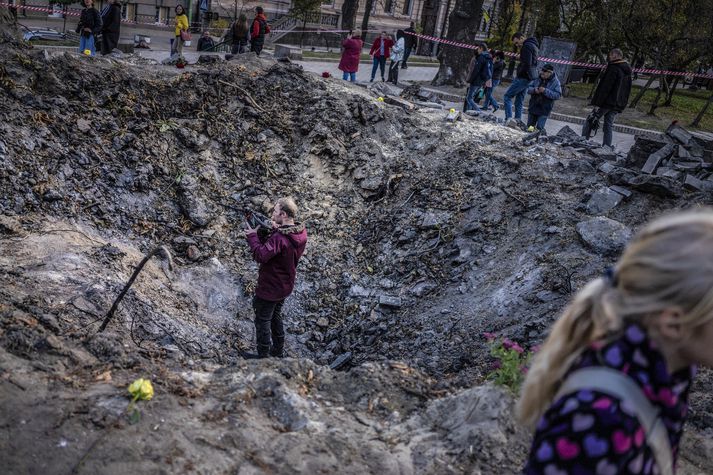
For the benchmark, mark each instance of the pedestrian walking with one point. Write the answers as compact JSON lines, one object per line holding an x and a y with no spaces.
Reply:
{"x":608,"y":392}
{"x":410,"y":44}
{"x":397,"y":53}
{"x":544,"y":91}
{"x":260,"y":28}
{"x":278,"y":257}
{"x":379,"y":52}
{"x":351,"y":52}
{"x":480,"y":75}
{"x":610,"y":97}
{"x":180,"y":30}
{"x":498,"y":68}
{"x":239,"y":35}
{"x":90,"y":25}
{"x":526,"y":73}
{"x":111,"y":26}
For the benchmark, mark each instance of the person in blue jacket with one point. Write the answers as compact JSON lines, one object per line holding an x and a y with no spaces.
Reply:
{"x":480,"y":76}
{"x":544,"y":91}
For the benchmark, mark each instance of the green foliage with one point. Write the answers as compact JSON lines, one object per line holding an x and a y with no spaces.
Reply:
{"x":511,"y":362}
{"x":548,"y":18}
{"x":304,"y":9}
{"x":505,"y":24}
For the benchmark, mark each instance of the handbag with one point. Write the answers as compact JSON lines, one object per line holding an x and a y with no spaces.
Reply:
{"x":185,"y":35}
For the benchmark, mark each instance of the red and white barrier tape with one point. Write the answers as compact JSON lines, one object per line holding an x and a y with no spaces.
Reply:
{"x":657,"y":72}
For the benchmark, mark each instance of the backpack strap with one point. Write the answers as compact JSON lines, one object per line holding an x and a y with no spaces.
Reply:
{"x":617,"y":384}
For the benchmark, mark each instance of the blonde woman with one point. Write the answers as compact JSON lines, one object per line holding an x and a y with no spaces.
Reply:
{"x":608,"y":391}
{"x":181,"y":27}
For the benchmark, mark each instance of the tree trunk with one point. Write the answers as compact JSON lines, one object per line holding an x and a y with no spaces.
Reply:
{"x":429,"y":20}
{"x":463,"y":25}
{"x":671,"y":90}
{"x":365,"y":21}
{"x":696,"y":122}
{"x":663,"y":85}
{"x":349,"y":12}
{"x":641,"y":93}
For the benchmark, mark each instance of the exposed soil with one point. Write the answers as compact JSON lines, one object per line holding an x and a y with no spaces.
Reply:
{"x":424,"y":234}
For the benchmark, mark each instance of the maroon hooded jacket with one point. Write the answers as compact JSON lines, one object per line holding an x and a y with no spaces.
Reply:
{"x":278,"y":258}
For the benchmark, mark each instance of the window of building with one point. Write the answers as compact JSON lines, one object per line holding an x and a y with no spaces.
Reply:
{"x":128,"y":12}
{"x":162,"y":15}
{"x":389,"y":6}
{"x":408,"y":7}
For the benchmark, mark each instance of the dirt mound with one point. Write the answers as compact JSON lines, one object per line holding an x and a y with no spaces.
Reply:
{"x":423,"y":234}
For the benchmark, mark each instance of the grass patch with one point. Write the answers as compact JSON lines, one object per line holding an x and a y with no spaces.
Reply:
{"x":685,"y":106}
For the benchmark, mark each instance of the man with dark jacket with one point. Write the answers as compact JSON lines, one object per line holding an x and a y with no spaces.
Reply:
{"x":611,"y":95}
{"x":544,"y":91}
{"x":205,"y":43}
{"x":111,"y":26}
{"x":410,"y":43}
{"x":259,"y":29}
{"x":480,"y":74}
{"x":278,"y":256}
{"x":526,"y":73}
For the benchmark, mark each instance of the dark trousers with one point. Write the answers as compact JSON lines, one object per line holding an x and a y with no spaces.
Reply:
{"x":268,"y":327}
{"x":407,"y":53}
{"x":379,"y":63}
{"x":607,"y":127}
{"x":537,"y":121}
{"x":256,"y":46}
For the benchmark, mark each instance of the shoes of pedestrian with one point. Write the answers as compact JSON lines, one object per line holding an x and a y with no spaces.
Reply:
{"x":252,"y":356}
{"x":371,"y":80}
{"x":382,"y":79}
{"x":404,"y":66}
{"x":495,"y":109}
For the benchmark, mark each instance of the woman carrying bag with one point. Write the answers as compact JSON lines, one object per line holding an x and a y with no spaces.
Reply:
{"x":182,"y":33}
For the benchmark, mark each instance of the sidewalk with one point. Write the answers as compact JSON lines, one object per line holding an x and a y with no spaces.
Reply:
{"x":623,"y":135}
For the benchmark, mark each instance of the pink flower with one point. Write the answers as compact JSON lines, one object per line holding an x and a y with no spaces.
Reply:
{"x":497,"y":364}
{"x":489,"y":336}
{"x":517,"y":348}
{"x":508,"y":343}
{"x":535,"y":348}
{"x":524,"y":369}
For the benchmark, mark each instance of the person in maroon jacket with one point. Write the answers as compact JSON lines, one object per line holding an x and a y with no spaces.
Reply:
{"x":380,"y":51}
{"x":278,"y":256}
{"x":349,"y":64}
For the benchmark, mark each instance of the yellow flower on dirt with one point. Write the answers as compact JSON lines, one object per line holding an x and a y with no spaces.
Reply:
{"x":141,"y":389}
{"x":380,"y":99}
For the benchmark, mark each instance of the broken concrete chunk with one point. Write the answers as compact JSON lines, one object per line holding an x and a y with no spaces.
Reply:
{"x":603,"y":200}
{"x":656,"y":158}
{"x":607,"y":167}
{"x":341,"y":360}
{"x":687,"y":166}
{"x":625,"y":192}
{"x":395,"y":101}
{"x":603,"y":235}
{"x":389,"y":301}
{"x":694,"y":184}
{"x":568,"y":134}
{"x":453,"y":116}
{"x":680,"y":134}
{"x":682,"y":152}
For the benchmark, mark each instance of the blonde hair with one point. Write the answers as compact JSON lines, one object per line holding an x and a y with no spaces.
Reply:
{"x":289,"y":206}
{"x":668,"y":264}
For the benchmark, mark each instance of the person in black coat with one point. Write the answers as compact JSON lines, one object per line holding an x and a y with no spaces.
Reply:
{"x":90,"y":25}
{"x":526,"y":73}
{"x":411,"y":42}
{"x":611,"y":96}
{"x":205,"y":43}
{"x":111,"y":25}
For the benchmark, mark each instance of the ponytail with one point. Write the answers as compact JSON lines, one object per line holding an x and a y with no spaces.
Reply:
{"x":587,"y":318}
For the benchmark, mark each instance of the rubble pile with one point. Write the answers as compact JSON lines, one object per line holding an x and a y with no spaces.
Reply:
{"x":424,"y":233}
